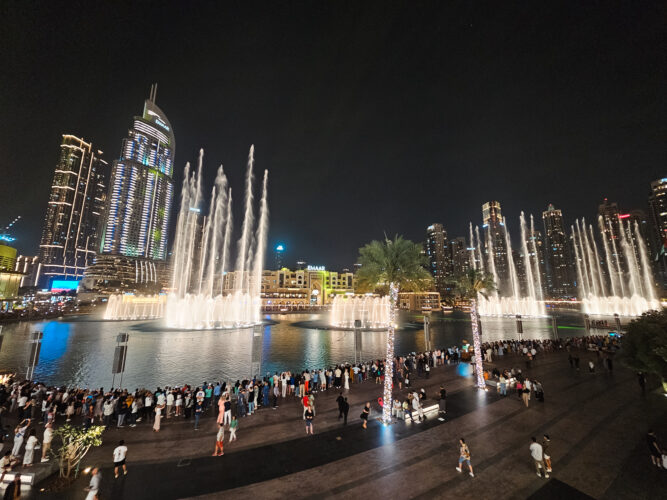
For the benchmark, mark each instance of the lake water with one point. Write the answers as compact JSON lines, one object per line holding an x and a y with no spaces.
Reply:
{"x":79,"y":351}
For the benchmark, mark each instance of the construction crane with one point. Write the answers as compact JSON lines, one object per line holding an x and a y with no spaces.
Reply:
{"x":5,"y":232}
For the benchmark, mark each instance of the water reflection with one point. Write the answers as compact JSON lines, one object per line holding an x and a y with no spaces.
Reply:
{"x":80,"y":351}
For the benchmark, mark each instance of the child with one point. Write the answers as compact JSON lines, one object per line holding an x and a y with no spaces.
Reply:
{"x":232,"y":429}
{"x":219,"y":438}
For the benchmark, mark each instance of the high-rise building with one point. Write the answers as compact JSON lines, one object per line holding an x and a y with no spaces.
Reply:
{"x":278,"y":256}
{"x":439,"y":256}
{"x":556,"y":245}
{"x":460,"y":256}
{"x":141,"y":188}
{"x":609,"y":212}
{"x":657,"y":203}
{"x":496,"y":245}
{"x":70,"y":236}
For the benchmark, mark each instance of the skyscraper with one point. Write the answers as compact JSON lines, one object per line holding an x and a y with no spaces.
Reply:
{"x":496,"y":246}
{"x":558,"y":273}
{"x":439,"y":256}
{"x":141,"y":188}
{"x":76,"y":205}
{"x":460,"y":256}
{"x":657,"y":204}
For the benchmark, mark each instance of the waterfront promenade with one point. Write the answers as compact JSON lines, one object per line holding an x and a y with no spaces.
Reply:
{"x":597,"y":424}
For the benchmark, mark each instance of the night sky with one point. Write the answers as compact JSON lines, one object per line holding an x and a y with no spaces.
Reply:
{"x":371,"y":117}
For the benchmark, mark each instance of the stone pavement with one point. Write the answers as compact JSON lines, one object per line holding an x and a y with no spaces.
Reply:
{"x":597,"y":423}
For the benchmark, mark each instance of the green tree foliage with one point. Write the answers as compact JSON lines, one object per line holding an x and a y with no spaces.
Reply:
{"x":645,"y":344}
{"x":398,"y":261}
{"x":76,"y":441}
{"x":474,"y":282}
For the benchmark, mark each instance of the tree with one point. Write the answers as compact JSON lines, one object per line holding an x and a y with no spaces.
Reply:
{"x":644,"y":346}
{"x":468,"y":287}
{"x":76,"y":441}
{"x":387,"y":267}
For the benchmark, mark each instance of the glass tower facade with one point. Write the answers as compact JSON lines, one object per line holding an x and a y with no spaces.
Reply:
{"x":557,"y":252}
{"x":141,"y":189}
{"x":76,"y":206}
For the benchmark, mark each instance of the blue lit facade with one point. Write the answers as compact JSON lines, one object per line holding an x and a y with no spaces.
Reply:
{"x":141,"y":189}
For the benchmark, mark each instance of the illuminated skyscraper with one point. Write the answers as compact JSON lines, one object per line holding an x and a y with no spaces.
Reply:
{"x":76,"y":205}
{"x":460,"y":256}
{"x":439,"y":256}
{"x":494,"y":226}
{"x":556,"y":247}
{"x":141,"y":188}
{"x":657,"y":203}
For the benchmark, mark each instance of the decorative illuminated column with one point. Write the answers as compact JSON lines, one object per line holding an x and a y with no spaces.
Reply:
{"x":477,"y":344}
{"x":389,"y":362}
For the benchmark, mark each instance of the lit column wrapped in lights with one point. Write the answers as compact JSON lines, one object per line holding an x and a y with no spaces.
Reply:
{"x":389,"y":362}
{"x":479,"y":367}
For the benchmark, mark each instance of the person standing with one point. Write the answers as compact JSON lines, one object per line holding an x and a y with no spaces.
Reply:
{"x":546,"y":442}
{"x":158,"y":418}
{"x":199,"y":409}
{"x":30,"y":446}
{"x":537,"y":453}
{"x":119,"y":455}
{"x":442,"y":402}
{"x":227,"y":417}
{"x":233,"y":425}
{"x":339,"y":401}
{"x":365,"y":414}
{"x":309,"y":415}
{"x":346,"y":408}
{"x":94,"y":485}
{"x":219,"y":441}
{"x":46,"y":442}
{"x":464,"y":457}
{"x":19,"y":434}
{"x":525,"y":394}
{"x":416,"y":405}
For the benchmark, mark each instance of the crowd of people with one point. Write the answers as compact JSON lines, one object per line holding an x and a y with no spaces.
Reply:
{"x":35,"y":404}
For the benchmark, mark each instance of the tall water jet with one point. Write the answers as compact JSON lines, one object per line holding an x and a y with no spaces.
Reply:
{"x":516,"y":302}
{"x":611,"y":296}
{"x":246,"y":231}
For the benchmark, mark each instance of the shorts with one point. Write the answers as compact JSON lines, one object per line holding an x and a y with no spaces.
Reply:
{"x":119,"y":464}
{"x":219,"y":444}
{"x":466,"y":460}
{"x":309,"y":423}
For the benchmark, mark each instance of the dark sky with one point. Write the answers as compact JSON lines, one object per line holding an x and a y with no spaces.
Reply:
{"x":370,"y":116}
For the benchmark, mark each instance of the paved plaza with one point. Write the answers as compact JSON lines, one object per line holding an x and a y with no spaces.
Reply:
{"x":597,"y":423}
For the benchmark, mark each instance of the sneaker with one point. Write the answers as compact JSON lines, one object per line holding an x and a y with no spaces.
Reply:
{"x":45,"y":460}
{"x":471,"y":474}
{"x":115,"y":476}
{"x":548,"y":470}
{"x":133,"y":425}
{"x":458,"y":469}
{"x":124,"y":473}
{"x":538,"y":474}
{"x":546,"y":476}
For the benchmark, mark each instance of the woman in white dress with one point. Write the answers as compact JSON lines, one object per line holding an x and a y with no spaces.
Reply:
{"x":30,"y":446}
{"x":158,"y":417}
{"x":346,"y":376}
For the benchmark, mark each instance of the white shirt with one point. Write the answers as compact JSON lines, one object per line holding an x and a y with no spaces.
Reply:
{"x":160,"y":399}
{"x":120,"y":452}
{"x":170,"y":399}
{"x":536,"y":451}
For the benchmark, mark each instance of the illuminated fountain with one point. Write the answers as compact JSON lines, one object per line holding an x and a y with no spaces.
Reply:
{"x":205,"y":292}
{"x":373,"y":312}
{"x":128,"y":306}
{"x":622,"y":285}
{"x":530,"y":301}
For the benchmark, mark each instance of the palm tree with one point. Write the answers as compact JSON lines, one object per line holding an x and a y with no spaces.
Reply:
{"x":387,"y":267}
{"x":469,"y":286}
